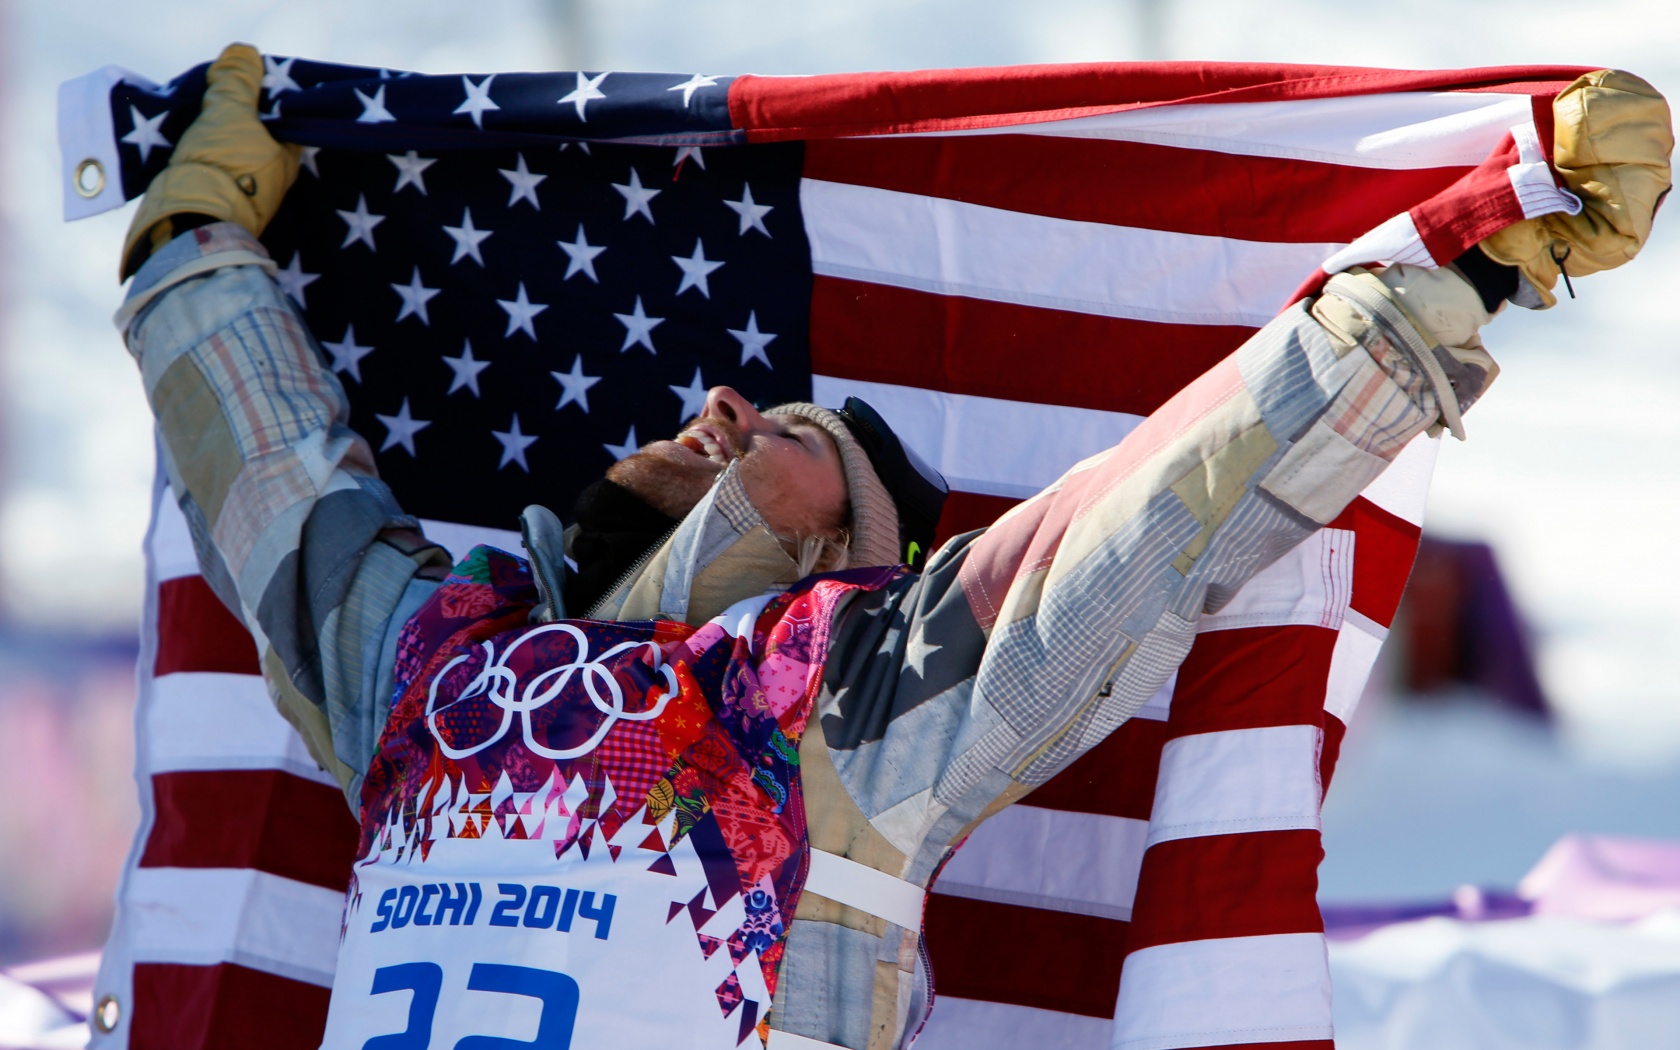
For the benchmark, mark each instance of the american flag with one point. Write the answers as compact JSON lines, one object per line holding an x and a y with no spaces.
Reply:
{"x":520,"y":277}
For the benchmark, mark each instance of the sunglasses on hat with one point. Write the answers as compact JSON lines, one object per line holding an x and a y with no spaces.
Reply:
{"x":918,"y":491}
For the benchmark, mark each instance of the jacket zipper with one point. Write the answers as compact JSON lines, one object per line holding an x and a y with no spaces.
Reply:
{"x":635,"y":567}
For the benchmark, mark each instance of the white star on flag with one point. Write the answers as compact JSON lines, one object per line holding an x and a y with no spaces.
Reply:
{"x":514,"y":445}
{"x":919,"y":649}
{"x":373,"y":109}
{"x":293,"y":280}
{"x":277,"y":76}
{"x":466,"y":369}
{"x":588,"y":89}
{"x":685,"y":152}
{"x":638,"y":328}
{"x":467,"y":239}
{"x":693,"y":397}
{"x":361,"y":223}
{"x":401,"y":428}
{"x":478,"y":100}
{"x":520,"y":312}
{"x":415,"y":296}
{"x":581,"y":256}
{"x":751,"y":212}
{"x":696,"y":269}
{"x":574,"y":385}
{"x":524,"y":184}
{"x":636,"y":198}
{"x":346,"y":355}
{"x":629,"y":448}
{"x":146,"y":134}
{"x":306,"y":158}
{"x":693,"y":84}
{"x":411,"y":170}
{"x":753,"y":341}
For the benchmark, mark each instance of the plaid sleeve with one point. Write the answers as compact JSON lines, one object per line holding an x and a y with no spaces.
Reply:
{"x":293,"y":528}
{"x":1022,"y":647}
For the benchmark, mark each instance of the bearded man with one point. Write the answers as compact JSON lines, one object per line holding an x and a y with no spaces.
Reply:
{"x":597,"y":802}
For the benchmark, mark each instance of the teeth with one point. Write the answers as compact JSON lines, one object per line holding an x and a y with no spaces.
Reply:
{"x":697,"y":441}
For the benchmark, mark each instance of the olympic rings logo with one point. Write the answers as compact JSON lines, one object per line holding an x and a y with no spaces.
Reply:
{"x":498,"y":681}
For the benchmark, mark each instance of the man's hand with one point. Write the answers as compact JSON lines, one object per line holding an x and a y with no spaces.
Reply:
{"x":1613,"y":142}
{"x":226,"y":166}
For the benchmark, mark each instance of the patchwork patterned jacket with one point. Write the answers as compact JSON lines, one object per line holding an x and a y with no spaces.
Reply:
{"x":940,"y":698}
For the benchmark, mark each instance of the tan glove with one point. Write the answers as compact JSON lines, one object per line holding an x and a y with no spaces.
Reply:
{"x":226,"y":166}
{"x":1613,"y":139}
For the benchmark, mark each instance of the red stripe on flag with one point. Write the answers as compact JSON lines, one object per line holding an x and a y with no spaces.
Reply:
{"x":264,"y":819}
{"x":967,"y":511}
{"x":1481,"y":204}
{"x":1120,"y":183}
{"x":1253,"y":677}
{"x":197,"y":633}
{"x":1114,"y":779}
{"x":884,"y":334}
{"x":1227,"y":886}
{"x":178,"y":1007}
{"x":771,"y":109}
{"x":1005,"y":953}
{"x":1384,"y":551}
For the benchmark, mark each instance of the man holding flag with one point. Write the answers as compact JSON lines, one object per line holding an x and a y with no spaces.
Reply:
{"x":679,"y":790}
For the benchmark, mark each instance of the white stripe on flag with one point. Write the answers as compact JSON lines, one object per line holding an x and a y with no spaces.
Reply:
{"x":201,"y":720}
{"x":1403,"y":489}
{"x":458,"y":539}
{"x":205,"y":916}
{"x":172,"y":550}
{"x":964,"y":1024}
{"x":1019,"y":856}
{"x":985,"y":444}
{"x":1310,"y":586}
{"x":1399,"y":130}
{"x":1236,"y":781}
{"x":951,"y":248}
{"x":1270,"y":989}
{"x":1536,"y":189}
{"x":1394,"y":240}
{"x":1357,"y":645}
{"x":1159,"y":706}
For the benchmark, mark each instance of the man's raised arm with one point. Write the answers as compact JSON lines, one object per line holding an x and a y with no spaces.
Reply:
{"x":293,"y":528}
{"x":1022,"y":647}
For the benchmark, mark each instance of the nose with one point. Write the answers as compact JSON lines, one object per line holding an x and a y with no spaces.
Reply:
{"x":727,"y":403}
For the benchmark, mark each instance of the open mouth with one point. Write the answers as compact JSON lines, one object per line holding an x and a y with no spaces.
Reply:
{"x":702,"y":441}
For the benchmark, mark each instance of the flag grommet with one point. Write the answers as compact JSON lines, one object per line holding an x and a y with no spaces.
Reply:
{"x":90,"y":178}
{"x":107,"y":1015}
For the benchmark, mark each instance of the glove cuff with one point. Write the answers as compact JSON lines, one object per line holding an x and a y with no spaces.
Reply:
{"x":182,"y":189}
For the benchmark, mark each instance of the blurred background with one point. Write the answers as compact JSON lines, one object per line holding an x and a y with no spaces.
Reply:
{"x":1531,"y":689}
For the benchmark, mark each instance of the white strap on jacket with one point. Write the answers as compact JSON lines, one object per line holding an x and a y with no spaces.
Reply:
{"x":862,"y":887}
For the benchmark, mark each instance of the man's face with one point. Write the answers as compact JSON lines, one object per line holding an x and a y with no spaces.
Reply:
{"x":791,"y":468}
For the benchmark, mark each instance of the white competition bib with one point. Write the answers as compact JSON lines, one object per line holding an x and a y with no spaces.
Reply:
{"x":493,"y":944}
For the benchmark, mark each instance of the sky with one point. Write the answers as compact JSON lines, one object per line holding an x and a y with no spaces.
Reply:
{"x":1570,"y":469}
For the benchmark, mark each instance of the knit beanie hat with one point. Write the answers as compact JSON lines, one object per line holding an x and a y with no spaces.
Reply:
{"x":874,"y":524}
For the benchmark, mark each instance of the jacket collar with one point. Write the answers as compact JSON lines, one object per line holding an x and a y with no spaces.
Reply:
{"x":720,"y":553}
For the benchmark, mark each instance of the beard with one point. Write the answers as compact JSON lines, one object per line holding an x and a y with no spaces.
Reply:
{"x":673,"y":478}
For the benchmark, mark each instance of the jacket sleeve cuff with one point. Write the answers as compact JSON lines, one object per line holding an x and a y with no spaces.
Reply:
{"x":197,"y":251}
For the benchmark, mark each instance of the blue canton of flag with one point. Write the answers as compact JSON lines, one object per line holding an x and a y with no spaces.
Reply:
{"x":509,"y":320}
